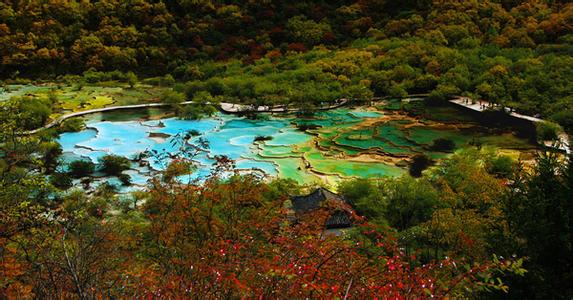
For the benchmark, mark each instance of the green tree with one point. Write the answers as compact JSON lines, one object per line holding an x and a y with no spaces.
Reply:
{"x":50,"y":153}
{"x":203,"y":104}
{"x":61,"y":180}
{"x":565,"y":119}
{"x":365,"y":196}
{"x":443,"y":144}
{"x":81,"y":168}
{"x":307,"y":31}
{"x":418,"y":164}
{"x":410,"y":201}
{"x":471,"y":222}
{"x":501,"y":166}
{"x":540,"y":214}
{"x":72,"y":125}
{"x":172,"y":97}
{"x":548,"y":131}
{"x":114,"y":164}
{"x":131,"y":79}
{"x":33,"y":112}
{"x":401,"y":203}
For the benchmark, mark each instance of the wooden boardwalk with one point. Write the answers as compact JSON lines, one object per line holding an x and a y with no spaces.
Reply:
{"x":480,"y":106}
{"x":61,"y":119}
{"x":225,"y":107}
{"x":232,"y":108}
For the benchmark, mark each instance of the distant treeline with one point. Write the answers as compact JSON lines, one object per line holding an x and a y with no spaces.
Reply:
{"x":156,"y":37}
{"x":517,"y":53}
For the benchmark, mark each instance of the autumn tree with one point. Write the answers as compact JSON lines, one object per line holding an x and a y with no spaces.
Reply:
{"x":539,"y":212}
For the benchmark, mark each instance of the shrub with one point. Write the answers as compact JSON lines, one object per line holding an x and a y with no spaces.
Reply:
{"x":194,"y":132}
{"x":172,"y":97}
{"x":52,"y":97}
{"x":131,"y":79}
{"x":262,"y":138}
{"x":152,"y":81}
{"x":203,"y":105}
{"x":215,"y":86}
{"x":203,"y":98}
{"x":61,"y":180}
{"x":72,"y":125}
{"x":104,"y":190}
{"x":209,"y":110}
{"x":442,"y":93}
{"x":124,"y":178}
{"x":188,"y":72}
{"x":168,"y":80}
{"x":176,"y":168}
{"x":191,"y":112}
{"x":114,"y":164}
{"x":259,"y":117}
{"x":33,"y":112}
{"x":547,"y":130}
{"x":92,"y":76}
{"x":409,"y":201}
{"x":49,"y":152}
{"x":419,"y":163}
{"x":305,"y":127}
{"x":81,"y":168}
{"x":565,"y":119}
{"x":501,"y":166}
{"x":443,"y":145}
{"x":192,"y":87}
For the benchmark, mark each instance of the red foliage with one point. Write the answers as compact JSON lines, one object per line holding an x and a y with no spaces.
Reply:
{"x":230,"y":239}
{"x":267,"y":14}
{"x":198,"y":41}
{"x":256,"y":50}
{"x":298,"y":47}
{"x":227,"y":240}
{"x":273,"y":54}
{"x":318,"y":12}
{"x":329,"y":37}
{"x":247,"y":20}
{"x":277,"y":34}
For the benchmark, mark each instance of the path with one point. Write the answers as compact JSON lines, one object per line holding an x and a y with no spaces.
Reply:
{"x":481,"y":106}
{"x":225,"y":107}
{"x":60,"y":119}
{"x":241,"y":108}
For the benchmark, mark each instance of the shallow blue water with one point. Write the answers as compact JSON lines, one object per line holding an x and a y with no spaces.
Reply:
{"x":288,"y":137}
{"x":366,"y":114}
{"x":153,"y":144}
{"x":68,"y":140}
{"x":120,"y":138}
{"x":226,"y":135}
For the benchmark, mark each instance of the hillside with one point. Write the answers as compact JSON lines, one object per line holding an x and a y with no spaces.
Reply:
{"x":135,"y":161}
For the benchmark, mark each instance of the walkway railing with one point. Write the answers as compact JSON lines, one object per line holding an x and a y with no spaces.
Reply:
{"x":225,"y":107}
{"x":481,"y":106}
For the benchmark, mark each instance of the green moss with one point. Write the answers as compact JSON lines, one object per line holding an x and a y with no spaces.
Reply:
{"x":345,"y":168}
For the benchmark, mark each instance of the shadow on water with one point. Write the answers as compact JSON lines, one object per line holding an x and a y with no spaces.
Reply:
{"x":142,"y":114}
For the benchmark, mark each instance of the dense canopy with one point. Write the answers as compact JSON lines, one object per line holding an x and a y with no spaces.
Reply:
{"x":468,"y":221}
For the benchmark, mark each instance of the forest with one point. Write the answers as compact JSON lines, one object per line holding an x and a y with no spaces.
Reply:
{"x":517,"y":53}
{"x":472,"y":222}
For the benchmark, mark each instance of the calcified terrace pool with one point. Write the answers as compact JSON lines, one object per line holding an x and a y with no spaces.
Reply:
{"x":343,"y":143}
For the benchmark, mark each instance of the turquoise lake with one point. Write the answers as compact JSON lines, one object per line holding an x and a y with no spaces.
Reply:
{"x":342,"y":143}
